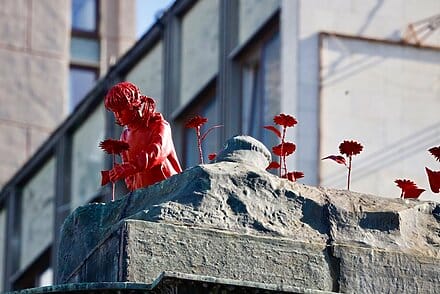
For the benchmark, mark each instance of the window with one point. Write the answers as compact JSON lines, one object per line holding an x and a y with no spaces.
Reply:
{"x":37,"y":211}
{"x":81,"y":81}
{"x":205,"y":105}
{"x":84,"y":15}
{"x":87,"y":158}
{"x":3,"y":217}
{"x":260,"y":89}
{"x":84,"y":50}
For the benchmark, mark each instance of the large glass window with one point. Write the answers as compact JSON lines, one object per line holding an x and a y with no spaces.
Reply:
{"x":2,"y":244}
{"x":147,"y":74}
{"x":37,"y":214}
{"x":199,"y":53}
{"x":84,"y":50}
{"x":253,"y":15}
{"x":87,"y":158}
{"x":84,"y":14}
{"x":206,"y":106}
{"x":81,"y":81}
{"x":261,"y":84}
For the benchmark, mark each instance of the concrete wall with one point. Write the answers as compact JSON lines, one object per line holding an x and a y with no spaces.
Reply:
{"x":33,"y":76}
{"x":302,"y":21}
{"x":117,"y":30}
{"x":387,"y":97}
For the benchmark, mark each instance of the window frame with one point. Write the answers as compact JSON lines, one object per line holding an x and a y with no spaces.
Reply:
{"x":196,"y":106}
{"x":80,"y":67}
{"x":86,"y":33}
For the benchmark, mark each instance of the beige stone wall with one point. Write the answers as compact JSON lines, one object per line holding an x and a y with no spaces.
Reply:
{"x":117,"y":30}
{"x":33,"y":76}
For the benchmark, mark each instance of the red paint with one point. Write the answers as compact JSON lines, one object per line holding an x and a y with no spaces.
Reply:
{"x":150,"y":156}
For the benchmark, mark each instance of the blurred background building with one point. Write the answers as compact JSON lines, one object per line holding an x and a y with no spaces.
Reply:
{"x":362,"y":70}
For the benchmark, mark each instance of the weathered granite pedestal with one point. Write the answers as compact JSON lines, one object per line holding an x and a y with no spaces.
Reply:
{"x":233,"y":221}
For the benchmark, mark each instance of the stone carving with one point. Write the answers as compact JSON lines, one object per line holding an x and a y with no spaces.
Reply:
{"x":233,"y":220}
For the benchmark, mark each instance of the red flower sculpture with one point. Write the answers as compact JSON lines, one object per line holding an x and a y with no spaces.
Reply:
{"x":285,"y":120}
{"x":113,"y":146}
{"x":435,"y":151}
{"x":347,"y":148}
{"x":196,"y":122}
{"x":350,"y":148}
{"x":434,"y":180}
{"x":284,"y":149}
{"x":337,"y":158}
{"x":409,"y":189}
{"x":273,"y":165}
{"x":293,"y":176}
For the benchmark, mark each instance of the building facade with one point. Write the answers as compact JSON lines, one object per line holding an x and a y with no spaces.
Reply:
{"x":51,"y":54}
{"x":343,"y":69}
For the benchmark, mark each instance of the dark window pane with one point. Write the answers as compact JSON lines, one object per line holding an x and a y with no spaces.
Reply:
{"x":84,"y":15}
{"x":261,"y":91}
{"x":84,"y":50}
{"x":81,"y":82}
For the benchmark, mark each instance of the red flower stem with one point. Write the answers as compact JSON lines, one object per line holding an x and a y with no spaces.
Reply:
{"x":349,"y":173}
{"x":113,"y":184}
{"x":199,"y":145}
{"x":282,"y":151}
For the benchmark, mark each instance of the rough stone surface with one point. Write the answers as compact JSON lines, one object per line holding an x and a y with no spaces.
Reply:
{"x":235,"y":220}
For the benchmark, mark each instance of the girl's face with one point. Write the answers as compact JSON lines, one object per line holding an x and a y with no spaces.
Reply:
{"x":124,"y":116}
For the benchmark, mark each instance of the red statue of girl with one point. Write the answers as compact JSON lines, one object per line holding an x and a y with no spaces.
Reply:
{"x":151,"y":156}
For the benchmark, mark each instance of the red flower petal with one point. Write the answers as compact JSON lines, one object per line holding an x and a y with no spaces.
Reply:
{"x":350,"y":148}
{"x":435,"y":151}
{"x":434,"y":180}
{"x":195,"y":122}
{"x":284,"y":149}
{"x":405,"y":184}
{"x":293,"y":176}
{"x":113,"y":146}
{"x":285,"y":120}
{"x":338,"y":158}
{"x":413,"y":193}
{"x":273,"y":129}
{"x":273,"y":165}
{"x":212,"y":156}
{"x":409,"y":188}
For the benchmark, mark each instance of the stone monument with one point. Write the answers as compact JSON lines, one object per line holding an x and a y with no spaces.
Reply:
{"x":231,"y":220}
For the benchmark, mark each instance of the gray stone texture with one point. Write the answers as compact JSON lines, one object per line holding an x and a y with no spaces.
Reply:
{"x":234,"y":220}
